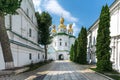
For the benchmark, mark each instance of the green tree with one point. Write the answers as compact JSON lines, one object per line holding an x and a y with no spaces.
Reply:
{"x":71,"y":53}
{"x":44,"y":22}
{"x":82,"y":46}
{"x":103,"y":41}
{"x":7,"y":7}
{"x":75,"y":51}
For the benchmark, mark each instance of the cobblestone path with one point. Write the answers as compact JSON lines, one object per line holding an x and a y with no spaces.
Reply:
{"x":59,"y":70}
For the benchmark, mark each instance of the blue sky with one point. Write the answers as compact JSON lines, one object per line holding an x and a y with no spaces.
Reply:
{"x":79,"y":12}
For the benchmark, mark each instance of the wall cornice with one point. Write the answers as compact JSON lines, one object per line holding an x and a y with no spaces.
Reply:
{"x":24,"y":45}
{"x":24,"y":38}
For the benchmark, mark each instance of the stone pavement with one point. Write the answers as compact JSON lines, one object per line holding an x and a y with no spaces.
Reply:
{"x":59,"y":70}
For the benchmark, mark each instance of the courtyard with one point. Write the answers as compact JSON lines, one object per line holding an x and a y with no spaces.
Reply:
{"x":58,"y":70}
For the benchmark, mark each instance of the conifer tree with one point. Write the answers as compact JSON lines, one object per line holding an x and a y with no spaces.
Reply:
{"x":103,"y":41}
{"x":75,"y":51}
{"x":71,"y":53}
{"x":7,"y":7}
{"x":82,"y":46}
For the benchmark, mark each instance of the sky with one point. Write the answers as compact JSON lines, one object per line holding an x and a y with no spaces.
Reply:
{"x":78,"y":12}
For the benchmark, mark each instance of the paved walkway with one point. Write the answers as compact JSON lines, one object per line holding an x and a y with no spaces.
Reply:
{"x":59,"y":70}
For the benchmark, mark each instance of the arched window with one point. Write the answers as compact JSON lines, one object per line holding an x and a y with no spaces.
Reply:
{"x":65,"y":43}
{"x":94,"y":41}
{"x":60,"y":43}
{"x":38,"y":56}
{"x":30,"y":32}
{"x":30,"y":56}
{"x":60,"y":39}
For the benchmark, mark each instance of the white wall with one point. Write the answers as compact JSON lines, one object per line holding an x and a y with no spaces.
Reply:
{"x":20,"y":25}
{"x":64,"y":39}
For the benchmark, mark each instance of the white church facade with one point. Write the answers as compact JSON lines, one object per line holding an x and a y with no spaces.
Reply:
{"x":62,"y":39}
{"x":23,"y":35}
{"x":115,"y":37}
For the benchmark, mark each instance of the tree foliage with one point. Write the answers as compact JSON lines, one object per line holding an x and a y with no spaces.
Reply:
{"x":44,"y":22}
{"x":72,"y":53}
{"x":75,"y":51}
{"x":82,"y":46}
{"x":9,"y":6}
{"x":103,"y":41}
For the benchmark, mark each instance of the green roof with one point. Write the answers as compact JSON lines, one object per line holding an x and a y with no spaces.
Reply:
{"x":65,"y":34}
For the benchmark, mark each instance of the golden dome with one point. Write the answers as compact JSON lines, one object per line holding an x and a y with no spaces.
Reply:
{"x":62,"y":23}
{"x":61,"y":20}
{"x":54,"y":29}
{"x":62,"y":26}
{"x":70,"y":28}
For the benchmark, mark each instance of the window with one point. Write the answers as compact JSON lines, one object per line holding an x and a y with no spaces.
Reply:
{"x":30,"y":56}
{"x":32,"y":18}
{"x":10,"y":21}
{"x":65,"y":43}
{"x":60,"y":39}
{"x":27,"y":11}
{"x":60,"y":44}
{"x":90,"y":41}
{"x":30,"y":32}
{"x":38,"y":56}
{"x":94,"y":41}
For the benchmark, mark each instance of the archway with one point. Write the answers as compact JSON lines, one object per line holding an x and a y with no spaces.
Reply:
{"x":61,"y":57}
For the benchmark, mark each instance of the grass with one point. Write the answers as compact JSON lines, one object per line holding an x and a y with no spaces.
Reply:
{"x":112,"y":74}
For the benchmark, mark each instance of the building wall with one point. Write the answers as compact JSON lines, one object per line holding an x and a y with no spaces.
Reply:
{"x":64,"y":53}
{"x":63,"y":40}
{"x":92,"y":35}
{"x":61,"y":44}
{"x":22,"y":32}
{"x":115,"y":37}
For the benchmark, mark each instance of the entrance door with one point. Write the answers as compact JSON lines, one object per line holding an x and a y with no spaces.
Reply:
{"x":61,"y":57}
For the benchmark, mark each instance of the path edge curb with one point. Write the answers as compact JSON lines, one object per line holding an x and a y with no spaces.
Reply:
{"x":104,"y":76}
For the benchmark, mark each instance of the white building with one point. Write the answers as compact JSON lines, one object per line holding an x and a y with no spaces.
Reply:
{"x":22,"y":31}
{"x":61,"y":43}
{"x":115,"y":37}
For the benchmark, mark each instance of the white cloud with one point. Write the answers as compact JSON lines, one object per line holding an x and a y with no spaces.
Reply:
{"x":76,"y":29}
{"x":54,"y":7}
{"x":37,"y":4}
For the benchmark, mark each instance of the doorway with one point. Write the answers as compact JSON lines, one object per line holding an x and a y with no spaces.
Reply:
{"x":61,"y":57}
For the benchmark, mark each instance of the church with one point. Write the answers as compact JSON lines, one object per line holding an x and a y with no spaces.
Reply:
{"x":62,"y":39}
{"x":115,"y":37}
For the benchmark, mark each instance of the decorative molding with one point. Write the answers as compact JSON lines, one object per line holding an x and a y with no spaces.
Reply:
{"x":24,"y":38}
{"x":62,"y":51}
{"x":24,"y":45}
